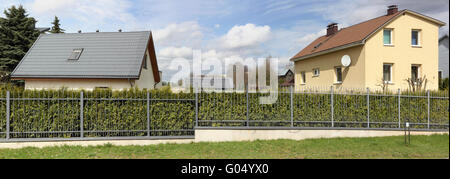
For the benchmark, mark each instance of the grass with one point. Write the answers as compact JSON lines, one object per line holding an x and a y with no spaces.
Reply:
{"x":434,"y":146}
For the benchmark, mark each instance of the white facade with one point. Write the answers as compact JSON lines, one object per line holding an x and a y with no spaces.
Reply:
{"x":443,"y":56}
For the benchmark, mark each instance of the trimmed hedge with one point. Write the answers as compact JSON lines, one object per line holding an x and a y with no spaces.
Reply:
{"x":58,"y":111}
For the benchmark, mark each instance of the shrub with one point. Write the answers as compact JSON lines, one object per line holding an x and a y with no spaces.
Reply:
{"x":56,"y":113}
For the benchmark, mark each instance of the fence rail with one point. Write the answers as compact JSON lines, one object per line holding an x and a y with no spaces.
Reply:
{"x":62,"y":115}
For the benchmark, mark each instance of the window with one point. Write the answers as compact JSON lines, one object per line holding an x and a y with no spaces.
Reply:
{"x":387,"y":36}
{"x":415,"y":38}
{"x":145,"y":61}
{"x":387,"y":72}
{"x":316,"y":72}
{"x":440,"y":75}
{"x":338,"y":74}
{"x":76,"y":53}
{"x":415,"y":73}
{"x":303,"y":75}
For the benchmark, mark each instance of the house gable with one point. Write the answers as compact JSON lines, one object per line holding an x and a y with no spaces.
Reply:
{"x":354,"y":35}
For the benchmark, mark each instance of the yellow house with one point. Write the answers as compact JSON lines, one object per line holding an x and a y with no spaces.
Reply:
{"x":381,"y":52}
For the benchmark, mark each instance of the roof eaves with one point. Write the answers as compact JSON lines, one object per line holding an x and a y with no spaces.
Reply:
{"x":440,"y":23}
{"x":77,"y":76}
{"x":353,"y":44}
{"x":26,"y":54}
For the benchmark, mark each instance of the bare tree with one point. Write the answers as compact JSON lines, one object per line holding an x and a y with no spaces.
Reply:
{"x":418,"y":84}
{"x":384,"y":85}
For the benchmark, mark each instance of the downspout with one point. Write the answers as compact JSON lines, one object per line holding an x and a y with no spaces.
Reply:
{"x":129,"y":81}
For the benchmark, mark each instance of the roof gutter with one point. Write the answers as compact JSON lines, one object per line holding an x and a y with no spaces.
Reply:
{"x":353,"y":44}
{"x":73,"y":77}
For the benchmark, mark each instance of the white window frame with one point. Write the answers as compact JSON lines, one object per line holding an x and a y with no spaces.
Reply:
{"x":77,"y":56}
{"x":392,"y":37}
{"x":314,"y":72}
{"x":145,"y":62}
{"x":419,"y":66}
{"x":303,"y":78}
{"x":419,"y":41}
{"x":336,"y":81}
{"x":390,"y":72}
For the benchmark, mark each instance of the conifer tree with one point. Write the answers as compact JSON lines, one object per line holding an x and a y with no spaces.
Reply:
{"x":56,"y":29}
{"x":17,"y":35}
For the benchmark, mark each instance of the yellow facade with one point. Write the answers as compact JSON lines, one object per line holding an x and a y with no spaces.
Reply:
{"x":366,"y":69}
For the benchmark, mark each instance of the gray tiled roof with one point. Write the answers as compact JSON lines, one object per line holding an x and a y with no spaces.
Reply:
{"x":105,"y":55}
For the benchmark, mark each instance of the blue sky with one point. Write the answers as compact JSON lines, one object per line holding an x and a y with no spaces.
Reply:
{"x":220,"y":28}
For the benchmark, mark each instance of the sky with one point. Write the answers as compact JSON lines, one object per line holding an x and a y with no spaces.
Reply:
{"x":220,"y":28}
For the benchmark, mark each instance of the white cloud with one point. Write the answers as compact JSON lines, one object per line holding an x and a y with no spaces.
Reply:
{"x":305,"y":40}
{"x":186,"y":33}
{"x":86,"y":15}
{"x":174,"y":52}
{"x":248,"y":35}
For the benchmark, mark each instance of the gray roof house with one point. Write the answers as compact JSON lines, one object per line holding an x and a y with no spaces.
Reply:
{"x":42,"y":29}
{"x":443,"y":56}
{"x":114,"y":60}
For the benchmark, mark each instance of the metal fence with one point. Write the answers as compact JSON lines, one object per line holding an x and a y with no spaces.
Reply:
{"x":59,"y":115}
{"x":71,"y":115}
{"x":328,"y":108}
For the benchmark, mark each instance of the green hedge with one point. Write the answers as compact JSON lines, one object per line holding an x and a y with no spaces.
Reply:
{"x":175,"y":117}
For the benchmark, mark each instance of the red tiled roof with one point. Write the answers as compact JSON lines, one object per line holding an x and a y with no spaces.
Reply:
{"x":345,"y":36}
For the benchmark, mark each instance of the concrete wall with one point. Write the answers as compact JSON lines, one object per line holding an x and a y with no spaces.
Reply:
{"x":352,"y":76}
{"x":223,"y":135}
{"x":402,"y":55}
{"x":215,"y":135}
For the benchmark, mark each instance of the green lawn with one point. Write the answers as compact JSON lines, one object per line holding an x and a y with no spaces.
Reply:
{"x":435,"y":146}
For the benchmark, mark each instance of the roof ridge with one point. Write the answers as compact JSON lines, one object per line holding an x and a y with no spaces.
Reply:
{"x":97,"y":32}
{"x":384,"y":19}
{"x":393,"y":15}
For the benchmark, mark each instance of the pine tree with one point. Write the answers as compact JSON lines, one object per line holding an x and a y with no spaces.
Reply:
{"x":17,"y":35}
{"x":56,"y":29}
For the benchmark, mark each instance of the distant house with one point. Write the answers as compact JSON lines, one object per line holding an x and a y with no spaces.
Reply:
{"x":286,"y":79}
{"x":115,"y":60}
{"x":386,"y":50}
{"x":443,"y":56}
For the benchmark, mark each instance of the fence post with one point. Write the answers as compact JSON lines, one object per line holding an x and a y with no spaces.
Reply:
{"x":81,"y":115}
{"x":428,"y":98}
{"x":7,"y":114}
{"x":247,"y":114}
{"x":399,"y":108}
{"x":196,"y":108}
{"x":148,"y":114}
{"x":332,"y":107}
{"x":292,"y":107}
{"x":368,"y":108}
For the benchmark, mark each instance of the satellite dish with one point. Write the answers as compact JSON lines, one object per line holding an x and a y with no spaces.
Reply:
{"x":346,"y":61}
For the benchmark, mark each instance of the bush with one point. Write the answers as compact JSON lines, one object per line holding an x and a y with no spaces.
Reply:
{"x":56,"y":113}
{"x":443,"y":84}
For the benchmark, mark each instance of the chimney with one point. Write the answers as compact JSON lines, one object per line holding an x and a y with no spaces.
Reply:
{"x":332,"y":28}
{"x":97,"y":30}
{"x":392,"y":9}
{"x":79,"y":31}
{"x":120,"y":30}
